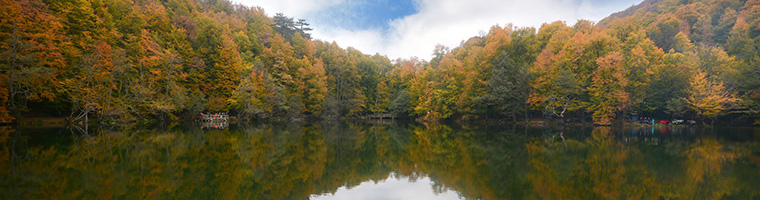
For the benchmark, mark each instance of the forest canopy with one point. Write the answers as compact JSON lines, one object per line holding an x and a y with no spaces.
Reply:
{"x":131,"y":59}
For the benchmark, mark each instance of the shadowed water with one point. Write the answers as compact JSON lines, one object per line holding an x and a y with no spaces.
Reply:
{"x":383,"y":160}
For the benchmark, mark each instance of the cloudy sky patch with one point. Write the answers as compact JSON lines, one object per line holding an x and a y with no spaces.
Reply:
{"x":412,"y":28}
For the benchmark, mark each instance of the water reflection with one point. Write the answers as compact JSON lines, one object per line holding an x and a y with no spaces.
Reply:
{"x":218,"y":124}
{"x":394,"y":187}
{"x":300,"y":161}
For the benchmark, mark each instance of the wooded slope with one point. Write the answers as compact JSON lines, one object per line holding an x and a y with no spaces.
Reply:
{"x":124,"y":59}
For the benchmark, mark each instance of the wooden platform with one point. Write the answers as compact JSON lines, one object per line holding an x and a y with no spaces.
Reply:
{"x":380,"y":116}
{"x":214,"y":117}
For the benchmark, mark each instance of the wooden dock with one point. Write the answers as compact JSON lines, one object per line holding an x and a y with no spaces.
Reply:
{"x":214,"y":117}
{"x":380,"y":116}
{"x":213,"y":120}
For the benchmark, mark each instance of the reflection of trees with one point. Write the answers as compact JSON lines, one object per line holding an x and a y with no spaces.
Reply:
{"x":8,"y":163}
{"x":602,"y":167}
{"x":289,"y":172}
{"x":272,"y":161}
{"x":706,"y":160}
{"x":598,"y":168}
{"x":449,"y":158}
{"x":357,"y":153}
{"x":476,"y":163}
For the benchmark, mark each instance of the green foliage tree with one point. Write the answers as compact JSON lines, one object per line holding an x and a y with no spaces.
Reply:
{"x":288,"y":27}
{"x":509,"y":88}
{"x":251,"y":96}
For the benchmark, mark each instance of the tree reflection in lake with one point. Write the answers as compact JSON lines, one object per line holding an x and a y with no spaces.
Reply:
{"x":298,"y":161}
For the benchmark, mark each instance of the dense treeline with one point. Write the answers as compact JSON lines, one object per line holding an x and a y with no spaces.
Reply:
{"x":122,"y":59}
{"x":664,"y":59}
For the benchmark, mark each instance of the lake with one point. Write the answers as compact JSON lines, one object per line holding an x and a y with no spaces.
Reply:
{"x":379,"y":160}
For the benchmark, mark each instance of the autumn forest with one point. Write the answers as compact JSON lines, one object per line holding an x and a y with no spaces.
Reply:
{"x":122,"y":60}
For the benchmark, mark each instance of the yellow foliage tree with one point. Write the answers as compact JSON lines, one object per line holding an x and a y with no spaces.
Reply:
{"x":709,"y":98}
{"x":608,"y":95}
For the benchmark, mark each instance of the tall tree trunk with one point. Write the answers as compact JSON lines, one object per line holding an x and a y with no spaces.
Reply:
{"x":525,"y":110}
{"x":11,"y":91}
{"x":168,"y":78}
{"x":15,"y":48}
{"x":486,"y":112}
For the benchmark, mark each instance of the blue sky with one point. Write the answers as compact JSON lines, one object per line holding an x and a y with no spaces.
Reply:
{"x":370,"y":14}
{"x":412,"y":28}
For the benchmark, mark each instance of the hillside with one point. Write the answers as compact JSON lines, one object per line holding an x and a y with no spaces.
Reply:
{"x":125,"y":60}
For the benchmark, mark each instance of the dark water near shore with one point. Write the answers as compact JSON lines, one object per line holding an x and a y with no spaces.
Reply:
{"x":380,"y":160}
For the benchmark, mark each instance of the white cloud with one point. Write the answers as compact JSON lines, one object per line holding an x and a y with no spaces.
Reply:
{"x":447,"y":22}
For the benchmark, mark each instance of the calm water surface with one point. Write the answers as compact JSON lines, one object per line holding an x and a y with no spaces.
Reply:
{"x":379,"y":160}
